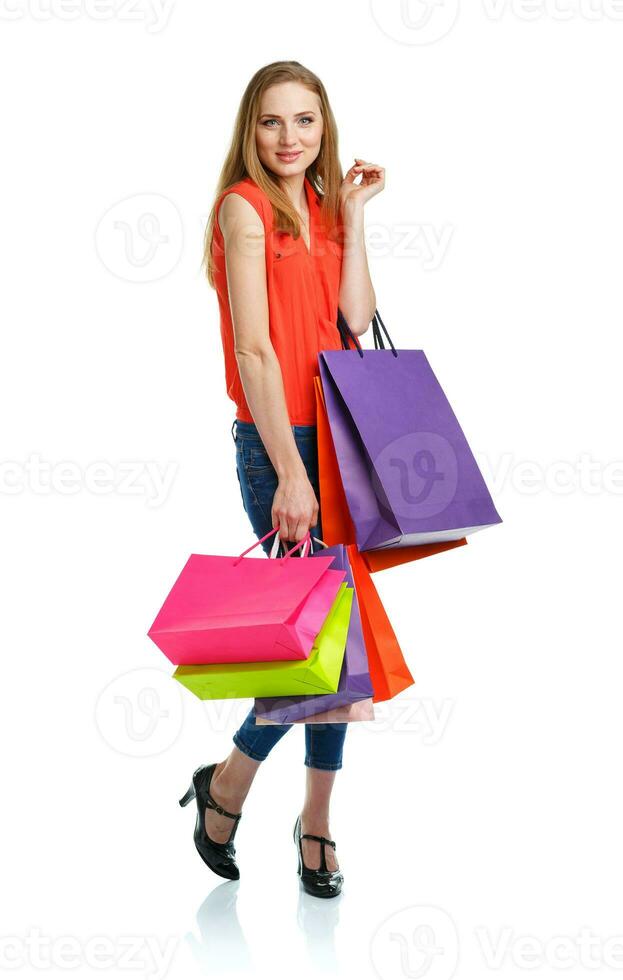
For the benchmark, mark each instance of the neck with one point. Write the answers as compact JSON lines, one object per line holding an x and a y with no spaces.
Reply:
{"x":294,"y":187}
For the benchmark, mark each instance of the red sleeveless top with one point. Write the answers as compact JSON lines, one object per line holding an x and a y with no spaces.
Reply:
{"x":303,"y":286}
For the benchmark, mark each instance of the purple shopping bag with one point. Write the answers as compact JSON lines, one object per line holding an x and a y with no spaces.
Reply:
{"x":408,"y":473}
{"x":354,"y":684}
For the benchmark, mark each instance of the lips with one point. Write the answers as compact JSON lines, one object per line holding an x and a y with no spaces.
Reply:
{"x":288,"y":157}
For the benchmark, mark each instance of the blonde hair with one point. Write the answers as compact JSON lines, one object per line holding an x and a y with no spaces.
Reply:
{"x":324,"y":174}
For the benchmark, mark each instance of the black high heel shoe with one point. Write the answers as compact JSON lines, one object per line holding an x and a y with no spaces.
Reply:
{"x":220,"y":858}
{"x":317,"y":881}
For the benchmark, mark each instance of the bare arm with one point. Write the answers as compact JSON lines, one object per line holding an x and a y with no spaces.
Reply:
{"x":295,"y":507}
{"x":357,"y":299}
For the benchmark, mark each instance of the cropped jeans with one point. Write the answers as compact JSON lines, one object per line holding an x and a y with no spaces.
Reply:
{"x":258,"y":483}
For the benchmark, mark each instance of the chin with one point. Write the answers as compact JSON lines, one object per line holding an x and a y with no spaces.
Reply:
{"x":287,"y":169}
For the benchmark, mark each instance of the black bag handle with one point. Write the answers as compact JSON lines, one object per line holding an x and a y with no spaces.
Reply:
{"x":347,"y":335}
{"x":378,"y":339}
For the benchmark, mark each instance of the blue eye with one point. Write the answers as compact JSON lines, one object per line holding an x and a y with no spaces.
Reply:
{"x":265,"y":122}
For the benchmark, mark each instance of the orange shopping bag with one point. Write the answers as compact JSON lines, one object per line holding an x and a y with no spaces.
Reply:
{"x":337,"y":526}
{"x":388,"y":671}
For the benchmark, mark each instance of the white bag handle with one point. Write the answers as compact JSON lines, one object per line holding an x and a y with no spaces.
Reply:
{"x":319,"y":540}
{"x":277,"y":544}
{"x":275,"y":547}
{"x":308,"y":546}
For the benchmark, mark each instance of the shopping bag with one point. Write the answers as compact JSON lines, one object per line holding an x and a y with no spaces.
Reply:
{"x":318,"y":674}
{"x":354,"y":683}
{"x":408,"y":473}
{"x":356,"y":711}
{"x":337,"y":525}
{"x":235,"y":610}
{"x":388,"y":671}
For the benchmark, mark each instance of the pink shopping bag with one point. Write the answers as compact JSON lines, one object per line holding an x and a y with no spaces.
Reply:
{"x":223,"y":609}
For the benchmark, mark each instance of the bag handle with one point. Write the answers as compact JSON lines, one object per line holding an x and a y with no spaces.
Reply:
{"x":319,"y":540}
{"x":277,"y":545}
{"x":304,"y":541}
{"x":378,"y":339}
{"x":346,"y":334}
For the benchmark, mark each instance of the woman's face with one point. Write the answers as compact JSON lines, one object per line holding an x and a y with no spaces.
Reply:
{"x":289,"y":128}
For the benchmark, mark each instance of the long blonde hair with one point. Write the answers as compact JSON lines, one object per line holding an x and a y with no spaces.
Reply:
{"x":324,"y":174}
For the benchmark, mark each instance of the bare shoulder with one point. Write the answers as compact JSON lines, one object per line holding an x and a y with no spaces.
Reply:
{"x":238,"y":215}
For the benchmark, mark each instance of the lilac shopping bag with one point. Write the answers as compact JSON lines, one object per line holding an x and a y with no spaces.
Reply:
{"x":408,"y":473}
{"x":354,"y":684}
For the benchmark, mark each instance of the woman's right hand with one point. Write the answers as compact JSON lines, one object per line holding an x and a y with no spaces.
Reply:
{"x":295,"y":508}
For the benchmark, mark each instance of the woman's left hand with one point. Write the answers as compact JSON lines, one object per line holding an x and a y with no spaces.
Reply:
{"x":372,"y":182}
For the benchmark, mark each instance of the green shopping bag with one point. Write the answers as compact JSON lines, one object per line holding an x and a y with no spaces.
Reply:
{"x":318,"y":674}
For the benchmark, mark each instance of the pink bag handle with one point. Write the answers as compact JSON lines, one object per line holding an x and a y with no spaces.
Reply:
{"x":306,"y":541}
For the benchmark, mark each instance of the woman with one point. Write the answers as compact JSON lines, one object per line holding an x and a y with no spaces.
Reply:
{"x":284,"y":247}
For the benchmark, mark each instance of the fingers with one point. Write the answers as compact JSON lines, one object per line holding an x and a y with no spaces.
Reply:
{"x":294,"y":511}
{"x":299,"y":534}
{"x":367,"y":168}
{"x":315,"y":513}
{"x":351,"y":174}
{"x":293,"y":530}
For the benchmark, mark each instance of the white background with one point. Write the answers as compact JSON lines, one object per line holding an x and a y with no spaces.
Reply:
{"x":478,"y":818}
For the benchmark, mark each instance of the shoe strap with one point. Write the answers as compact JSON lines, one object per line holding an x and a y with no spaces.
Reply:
{"x":323,"y":841}
{"x":213,"y":805}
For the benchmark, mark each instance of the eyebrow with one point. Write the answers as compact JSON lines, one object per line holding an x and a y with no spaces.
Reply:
{"x":274,"y":115}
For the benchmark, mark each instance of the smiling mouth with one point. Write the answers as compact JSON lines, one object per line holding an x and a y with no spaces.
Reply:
{"x":289,"y":156}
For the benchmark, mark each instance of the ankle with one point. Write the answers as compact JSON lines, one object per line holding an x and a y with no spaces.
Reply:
{"x":226,"y":792}
{"x":313,"y":822}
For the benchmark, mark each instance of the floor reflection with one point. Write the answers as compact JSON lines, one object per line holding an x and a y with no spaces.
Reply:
{"x":221,"y":947}
{"x":317,"y":919}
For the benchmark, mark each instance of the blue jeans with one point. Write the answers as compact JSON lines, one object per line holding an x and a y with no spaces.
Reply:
{"x":258,"y":484}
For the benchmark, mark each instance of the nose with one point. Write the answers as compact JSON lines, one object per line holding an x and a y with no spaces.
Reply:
{"x":288,"y":136}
